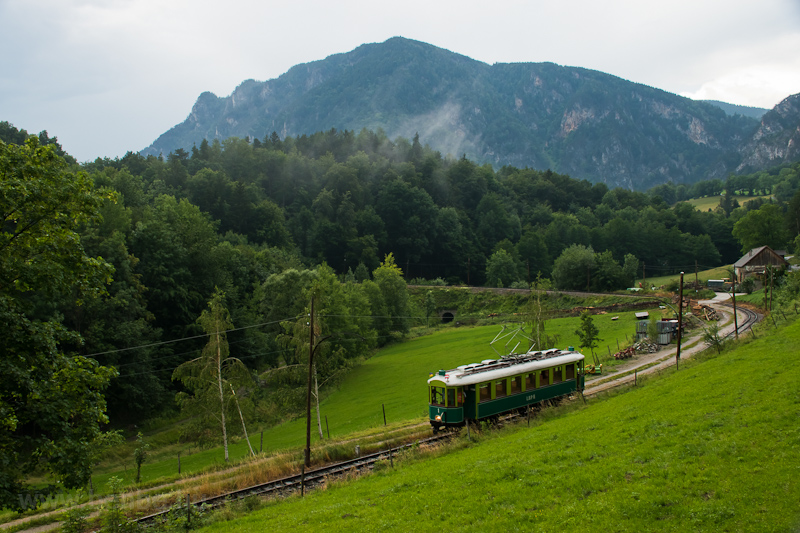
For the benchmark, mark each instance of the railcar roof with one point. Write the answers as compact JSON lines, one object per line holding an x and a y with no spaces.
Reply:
{"x":506,"y":366}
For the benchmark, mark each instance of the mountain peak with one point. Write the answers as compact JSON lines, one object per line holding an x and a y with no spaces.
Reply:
{"x":577,"y":121}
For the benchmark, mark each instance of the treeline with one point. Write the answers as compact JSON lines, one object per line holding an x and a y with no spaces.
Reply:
{"x":271,"y":221}
{"x":348,"y":198}
{"x":782,"y":182}
{"x":256,"y":218}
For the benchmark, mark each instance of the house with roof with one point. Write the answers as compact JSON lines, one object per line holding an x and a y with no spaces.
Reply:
{"x":756,"y":261}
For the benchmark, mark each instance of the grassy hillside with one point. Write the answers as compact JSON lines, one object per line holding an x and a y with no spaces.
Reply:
{"x":395,"y":377}
{"x":703,"y":276}
{"x":714,"y":447}
{"x":709,"y":203}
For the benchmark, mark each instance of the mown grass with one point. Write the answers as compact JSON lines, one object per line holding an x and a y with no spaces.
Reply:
{"x":709,"y":203}
{"x":703,"y":276}
{"x":394,"y":379}
{"x":713,"y":447}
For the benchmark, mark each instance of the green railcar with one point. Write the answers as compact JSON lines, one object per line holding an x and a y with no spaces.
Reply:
{"x":496,"y":386}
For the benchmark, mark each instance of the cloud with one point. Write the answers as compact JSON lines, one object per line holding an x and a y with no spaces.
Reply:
{"x":758,"y":86}
{"x":108,"y":76}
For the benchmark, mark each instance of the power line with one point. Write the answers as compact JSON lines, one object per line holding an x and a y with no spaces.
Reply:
{"x":161,"y":343}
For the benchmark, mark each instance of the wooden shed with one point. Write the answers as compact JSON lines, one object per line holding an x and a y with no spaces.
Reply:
{"x":755,"y":262}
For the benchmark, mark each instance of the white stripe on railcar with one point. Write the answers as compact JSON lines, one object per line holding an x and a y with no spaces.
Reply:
{"x":457,"y":377}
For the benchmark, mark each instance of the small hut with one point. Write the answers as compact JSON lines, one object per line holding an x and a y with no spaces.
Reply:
{"x":756,"y":261}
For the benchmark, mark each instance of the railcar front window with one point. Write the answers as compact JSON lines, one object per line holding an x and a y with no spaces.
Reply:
{"x":451,"y":397}
{"x":437,"y":395}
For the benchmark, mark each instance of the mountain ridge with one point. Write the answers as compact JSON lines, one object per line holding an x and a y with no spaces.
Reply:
{"x":585,"y":123}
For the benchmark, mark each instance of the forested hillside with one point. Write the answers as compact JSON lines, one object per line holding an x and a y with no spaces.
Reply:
{"x":256,"y":218}
{"x":585,"y":123}
{"x":116,"y":260}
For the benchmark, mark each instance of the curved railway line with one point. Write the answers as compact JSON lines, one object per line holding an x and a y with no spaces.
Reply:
{"x":319,"y":476}
{"x":314,"y":478}
{"x":303,"y":481}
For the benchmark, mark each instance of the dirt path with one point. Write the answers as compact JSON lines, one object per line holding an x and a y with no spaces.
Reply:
{"x":649,"y":363}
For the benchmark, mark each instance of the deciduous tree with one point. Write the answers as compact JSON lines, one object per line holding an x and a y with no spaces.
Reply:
{"x":51,"y":402}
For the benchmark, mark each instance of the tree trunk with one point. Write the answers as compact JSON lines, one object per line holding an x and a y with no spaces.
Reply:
{"x":316,"y":393}
{"x":221,"y":399}
{"x":244,"y":428}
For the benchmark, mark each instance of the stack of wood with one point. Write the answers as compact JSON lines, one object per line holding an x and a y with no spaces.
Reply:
{"x":646,"y":346}
{"x":627,"y":353}
{"x":705,"y":312}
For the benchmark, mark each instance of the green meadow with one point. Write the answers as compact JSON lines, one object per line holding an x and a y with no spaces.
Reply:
{"x":712,"y":447}
{"x":709,"y":203}
{"x":688,"y":277}
{"x":394,"y":379}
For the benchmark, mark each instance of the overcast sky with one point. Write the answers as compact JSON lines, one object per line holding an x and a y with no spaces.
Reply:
{"x":108,"y":76}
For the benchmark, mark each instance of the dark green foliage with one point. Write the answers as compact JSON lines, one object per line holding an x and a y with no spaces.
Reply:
{"x":588,"y":332}
{"x":51,"y":401}
{"x":140,"y":454}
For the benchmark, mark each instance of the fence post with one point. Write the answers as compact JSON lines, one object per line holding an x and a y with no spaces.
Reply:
{"x":384,"y":414}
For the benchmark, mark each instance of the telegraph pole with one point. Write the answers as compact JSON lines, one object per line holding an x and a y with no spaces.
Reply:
{"x":680,"y":323}
{"x":310,"y":377}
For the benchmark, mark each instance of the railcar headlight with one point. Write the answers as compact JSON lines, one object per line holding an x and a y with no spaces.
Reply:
{"x":438,"y":418}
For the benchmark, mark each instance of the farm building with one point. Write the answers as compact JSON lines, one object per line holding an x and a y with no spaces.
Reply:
{"x":755,"y":262}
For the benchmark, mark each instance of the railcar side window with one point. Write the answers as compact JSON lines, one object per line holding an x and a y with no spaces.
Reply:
{"x":486,"y":393}
{"x":437,"y":395}
{"x":544,"y":378}
{"x":451,"y":397}
{"x":516,"y":384}
{"x":530,"y":382}
{"x":571,"y":371}
{"x":557,"y":375}
{"x":500,"y":389}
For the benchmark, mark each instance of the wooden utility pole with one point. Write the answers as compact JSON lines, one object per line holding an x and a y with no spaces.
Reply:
{"x":735,"y":320}
{"x":680,"y":323}
{"x":310,"y":377}
{"x":732,"y":273}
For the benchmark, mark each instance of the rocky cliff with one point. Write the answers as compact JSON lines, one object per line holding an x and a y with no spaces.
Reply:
{"x":585,"y":123}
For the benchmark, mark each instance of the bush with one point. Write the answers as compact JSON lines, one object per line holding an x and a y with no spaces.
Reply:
{"x":438,"y":282}
{"x":748,"y":285}
{"x":75,"y":520}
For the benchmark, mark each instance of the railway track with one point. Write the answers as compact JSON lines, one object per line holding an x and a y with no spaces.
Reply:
{"x":298,"y":482}
{"x":751,"y":318}
{"x":314,"y":478}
